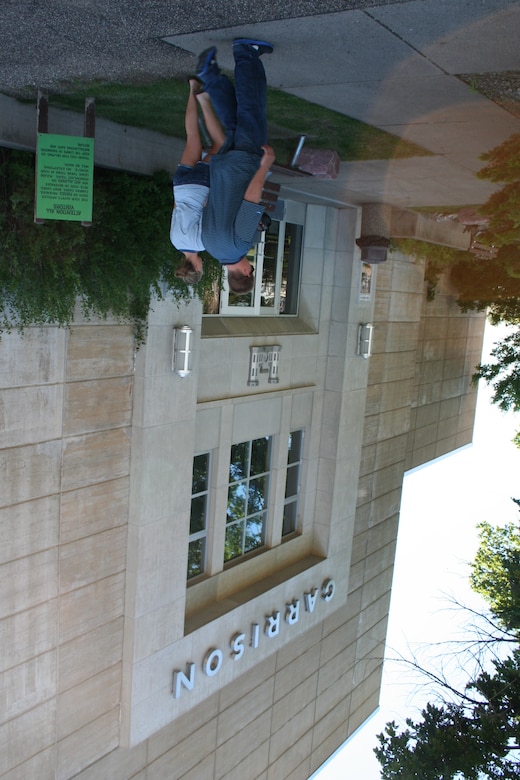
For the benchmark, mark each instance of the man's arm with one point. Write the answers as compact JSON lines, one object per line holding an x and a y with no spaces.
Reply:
{"x":255,"y":187}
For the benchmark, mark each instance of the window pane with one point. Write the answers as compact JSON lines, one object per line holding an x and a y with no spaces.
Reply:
{"x":200,"y":473}
{"x":198,"y":514}
{"x":289,"y":518}
{"x":233,"y":542}
{"x":237,"y":496}
{"x":291,"y":485}
{"x":196,"y":552}
{"x":238,"y":468}
{"x":295,"y":446}
{"x":268,"y":290}
{"x":260,"y":455}
{"x":254,"y":532}
{"x":291,"y":269}
{"x":257,"y":495}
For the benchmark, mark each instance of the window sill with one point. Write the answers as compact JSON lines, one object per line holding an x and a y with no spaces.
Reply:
{"x":214,"y":327}
{"x":214,"y":607}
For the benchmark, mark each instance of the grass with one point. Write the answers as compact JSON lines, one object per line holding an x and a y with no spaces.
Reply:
{"x":160,"y":106}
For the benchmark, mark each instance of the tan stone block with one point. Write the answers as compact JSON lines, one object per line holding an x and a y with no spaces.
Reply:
{"x":28,"y":528}
{"x":92,"y":558}
{"x":120,"y":764}
{"x":84,"y":747}
{"x":27,"y":685}
{"x":251,"y":767}
{"x":247,"y":707}
{"x":297,"y":670}
{"x":186,"y":755}
{"x":27,"y":634}
{"x":87,"y":701}
{"x":30,"y":414}
{"x":95,"y":351}
{"x":42,"y":766}
{"x":36,"y":358}
{"x":203,"y":771}
{"x":248,"y":682}
{"x":334,"y":719}
{"x":290,"y":705}
{"x":30,"y":472}
{"x":27,"y":735}
{"x":334,"y":695}
{"x":95,"y":457}
{"x":88,"y":608}
{"x":28,"y":581}
{"x":183,"y":728}
{"x":231,"y":753}
{"x":97,"y":405}
{"x":293,"y":761}
{"x":93,"y":509}
{"x":324,"y":749}
{"x":89,"y":654}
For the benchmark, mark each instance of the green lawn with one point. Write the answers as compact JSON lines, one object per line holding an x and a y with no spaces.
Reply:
{"x":160,"y":106}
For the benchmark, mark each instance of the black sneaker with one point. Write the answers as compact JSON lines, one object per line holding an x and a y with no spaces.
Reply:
{"x":206,"y":60}
{"x":262,"y":47}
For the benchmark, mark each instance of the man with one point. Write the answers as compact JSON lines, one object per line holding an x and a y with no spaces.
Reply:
{"x":232,"y":215}
{"x":191,"y":184}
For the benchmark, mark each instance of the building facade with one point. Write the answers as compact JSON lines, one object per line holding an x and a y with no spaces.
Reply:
{"x":196,"y":570}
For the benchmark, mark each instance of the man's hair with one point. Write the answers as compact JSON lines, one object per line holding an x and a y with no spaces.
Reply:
{"x":238,"y":283}
{"x":187,"y":272}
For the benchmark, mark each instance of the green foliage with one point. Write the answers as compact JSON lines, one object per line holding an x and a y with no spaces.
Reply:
{"x":475,"y":736}
{"x":503,"y":161}
{"x":504,"y":374}
{"x":114,"y":267}
{"x":496,"y":572}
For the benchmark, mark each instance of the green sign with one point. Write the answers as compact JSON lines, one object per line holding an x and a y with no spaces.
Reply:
{"x":64,"y":177}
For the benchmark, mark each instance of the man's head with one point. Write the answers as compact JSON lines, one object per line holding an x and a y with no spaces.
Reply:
{"x":190,"y":269}
{"x":240,"y":276}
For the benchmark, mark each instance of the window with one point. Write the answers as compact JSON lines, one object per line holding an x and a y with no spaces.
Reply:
{"x":248,"y":491}
{"x":292,"y":482}
{"x":198,"y":516}
{"x":277,"y":262}
{"x":243,"y":526}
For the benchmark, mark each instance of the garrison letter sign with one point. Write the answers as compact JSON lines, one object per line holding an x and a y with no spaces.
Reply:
{"x":64,"y":177}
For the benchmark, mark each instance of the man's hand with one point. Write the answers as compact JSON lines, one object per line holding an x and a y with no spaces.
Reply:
{"x":268,"y":157}
{"x":253,"y":194}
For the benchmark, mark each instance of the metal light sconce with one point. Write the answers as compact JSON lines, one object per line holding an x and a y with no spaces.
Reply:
{"x":364,"y":345}
{"x":182,"y":356}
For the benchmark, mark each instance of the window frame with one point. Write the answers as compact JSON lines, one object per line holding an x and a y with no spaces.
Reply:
{"x":293,"y":500}
{"x":295,"y":218}
{"x":202,"y":534}
{"x":265,"y":510}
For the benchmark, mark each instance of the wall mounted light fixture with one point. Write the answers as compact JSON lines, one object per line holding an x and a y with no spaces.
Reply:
{"x":364,"y":345}
{"x":182,"y":356}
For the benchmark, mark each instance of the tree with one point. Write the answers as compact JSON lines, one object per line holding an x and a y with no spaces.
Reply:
{"x":474,"y":734}
{"x":504,"y":374}
{"x":496,"y":572}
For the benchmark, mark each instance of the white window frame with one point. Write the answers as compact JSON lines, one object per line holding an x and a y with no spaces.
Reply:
{"x":295,"y":214}
{"x":204,"y":533}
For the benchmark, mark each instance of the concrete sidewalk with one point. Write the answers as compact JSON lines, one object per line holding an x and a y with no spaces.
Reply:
{"x":393,"y":65}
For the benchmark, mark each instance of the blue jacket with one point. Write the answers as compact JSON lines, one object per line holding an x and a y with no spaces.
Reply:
{"x":229,"y":223}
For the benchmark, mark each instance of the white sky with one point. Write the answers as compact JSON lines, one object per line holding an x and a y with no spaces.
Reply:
{"x":441,"y":506}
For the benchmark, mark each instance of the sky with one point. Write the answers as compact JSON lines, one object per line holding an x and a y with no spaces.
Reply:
{"x":442,"y":504}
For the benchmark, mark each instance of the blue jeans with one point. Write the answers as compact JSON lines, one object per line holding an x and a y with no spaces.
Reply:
{"x":242,"y":108}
